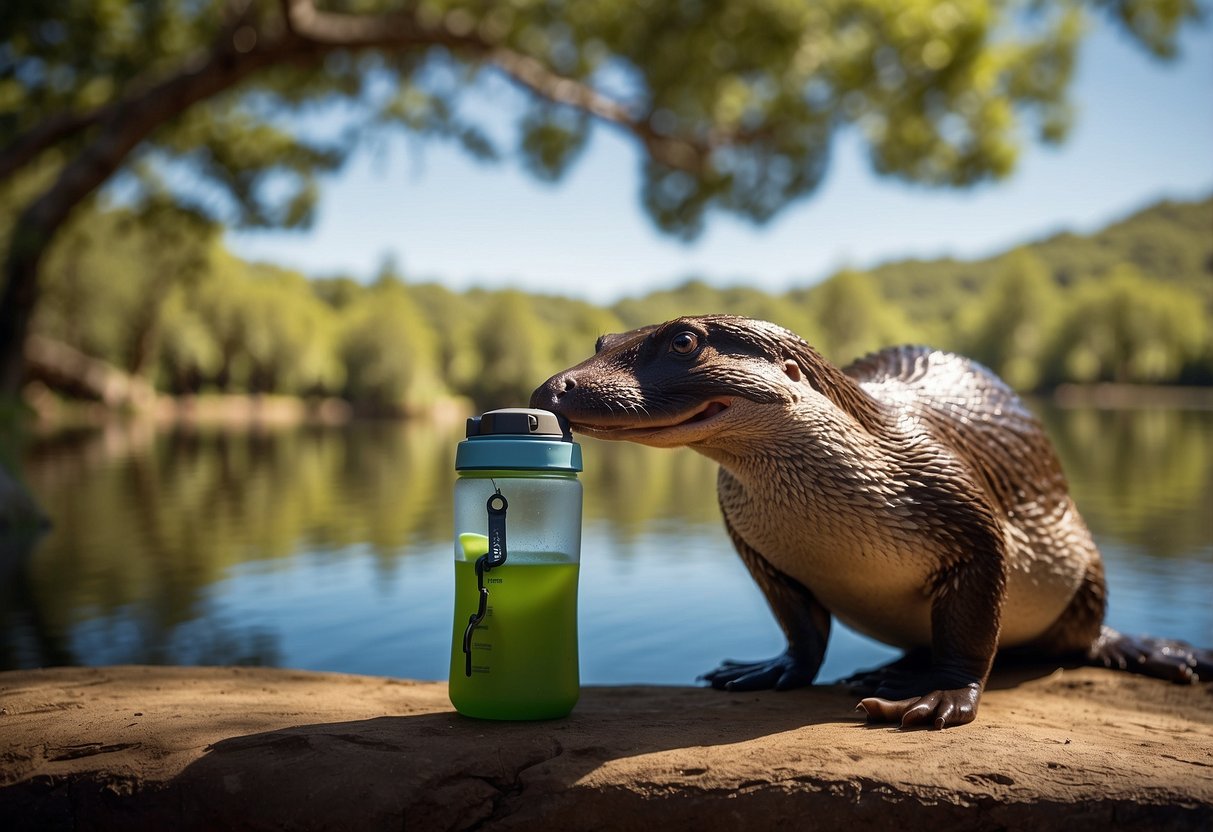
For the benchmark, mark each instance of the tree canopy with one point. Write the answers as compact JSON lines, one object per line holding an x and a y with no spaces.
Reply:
{"x":206,"y":106}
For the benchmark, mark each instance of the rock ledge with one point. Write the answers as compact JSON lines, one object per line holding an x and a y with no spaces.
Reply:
{"x":202,"y":748}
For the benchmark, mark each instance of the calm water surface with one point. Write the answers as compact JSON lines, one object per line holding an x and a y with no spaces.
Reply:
{"x":329,"y":549}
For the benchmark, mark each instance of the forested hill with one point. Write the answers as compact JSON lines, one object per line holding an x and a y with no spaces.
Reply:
{"x":1171,"y":242}
{"x":160,"y":297}
{"x":1131,"y":303}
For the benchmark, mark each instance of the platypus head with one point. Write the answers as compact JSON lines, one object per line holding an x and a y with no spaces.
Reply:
{"x":683,"y":382}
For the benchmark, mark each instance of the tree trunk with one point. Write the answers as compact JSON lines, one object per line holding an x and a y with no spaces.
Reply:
{"x":18,"y":509}
{"x":101,"y":157}
{"x":19,"y":512}
{"x":16,"y":308}
{"x":130,"y":123}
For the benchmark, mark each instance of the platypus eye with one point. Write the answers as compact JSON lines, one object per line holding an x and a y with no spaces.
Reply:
{"x":684,"y":343}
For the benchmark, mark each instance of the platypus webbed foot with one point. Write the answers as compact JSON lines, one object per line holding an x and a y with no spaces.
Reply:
{"x":1161,"y":658}
{"x":784,"y":672}
{"x":923,"y":700}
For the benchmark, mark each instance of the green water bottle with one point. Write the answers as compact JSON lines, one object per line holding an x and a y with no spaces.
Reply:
{"x":517,"y":552}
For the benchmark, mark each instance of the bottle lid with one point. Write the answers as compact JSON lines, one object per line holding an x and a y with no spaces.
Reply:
{"x":518,"y":438}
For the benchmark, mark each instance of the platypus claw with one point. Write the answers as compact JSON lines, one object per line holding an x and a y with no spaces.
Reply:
{"x":937,"y":709}
{"x":784,"y":672}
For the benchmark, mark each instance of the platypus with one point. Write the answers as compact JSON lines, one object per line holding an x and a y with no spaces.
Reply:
{"x":911,"y":495}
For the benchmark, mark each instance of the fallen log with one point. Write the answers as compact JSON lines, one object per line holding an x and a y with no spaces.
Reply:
{"x":66,"y":370}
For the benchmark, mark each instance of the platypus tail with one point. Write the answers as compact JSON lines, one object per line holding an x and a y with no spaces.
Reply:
{"x":1161,"y":658}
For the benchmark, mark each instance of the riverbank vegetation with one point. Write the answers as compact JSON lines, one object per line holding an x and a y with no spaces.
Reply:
{"x":162,"y":299}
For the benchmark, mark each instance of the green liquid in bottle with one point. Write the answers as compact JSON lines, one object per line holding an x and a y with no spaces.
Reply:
{"x":524,"y":653}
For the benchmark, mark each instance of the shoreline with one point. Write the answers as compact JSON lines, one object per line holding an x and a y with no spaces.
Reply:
{"x":1108,"y":396}
{"x":257,"y":410}
{"x":229,"y":410}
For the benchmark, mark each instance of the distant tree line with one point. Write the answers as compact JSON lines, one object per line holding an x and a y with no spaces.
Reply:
{"x":161,"y":298}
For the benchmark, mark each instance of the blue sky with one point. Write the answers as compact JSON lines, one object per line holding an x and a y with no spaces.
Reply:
{"x":1144,"y":131}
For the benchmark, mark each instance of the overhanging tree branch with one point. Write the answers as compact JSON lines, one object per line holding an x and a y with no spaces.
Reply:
{"x":246,"y":45}
{"x":532,"y":75}
{"x":404,"y":29}
{"x":26,"y":146}
{"x":313,"y":33}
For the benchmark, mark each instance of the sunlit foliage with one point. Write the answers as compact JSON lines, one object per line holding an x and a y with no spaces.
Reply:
{"x":1127,"y":329}
{"x":735,"y":103}
{"x":853,"y":319}
{"x":192,"y":318}
{"x":1014,"y":324}
{"x":389,"y":350}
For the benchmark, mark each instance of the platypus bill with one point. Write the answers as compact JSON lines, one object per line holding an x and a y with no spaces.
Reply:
{"x":911,"y":495}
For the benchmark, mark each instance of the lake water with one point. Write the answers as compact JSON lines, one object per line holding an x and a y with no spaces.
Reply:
{"x":329,"y":549}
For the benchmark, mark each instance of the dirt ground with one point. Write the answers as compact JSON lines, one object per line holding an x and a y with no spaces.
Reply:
{"x":240,"y":748}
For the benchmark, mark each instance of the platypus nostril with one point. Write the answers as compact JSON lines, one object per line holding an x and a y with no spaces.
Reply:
{"x":547,"y":396}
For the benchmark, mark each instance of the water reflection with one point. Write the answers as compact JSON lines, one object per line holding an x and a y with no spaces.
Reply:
{"x":328,"y":548}
{"x":1142,"y":477}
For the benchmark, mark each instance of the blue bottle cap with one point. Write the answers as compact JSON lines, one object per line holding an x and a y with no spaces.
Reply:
{"x":518,"y":438}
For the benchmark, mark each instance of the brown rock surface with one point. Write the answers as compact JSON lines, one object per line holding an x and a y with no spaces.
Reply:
{"x":232,"y":748}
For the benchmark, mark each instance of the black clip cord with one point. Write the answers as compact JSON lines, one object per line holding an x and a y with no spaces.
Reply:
{"x":496,"y":506}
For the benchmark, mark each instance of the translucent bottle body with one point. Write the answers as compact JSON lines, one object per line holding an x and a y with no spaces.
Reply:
{"x":524,"y":658}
